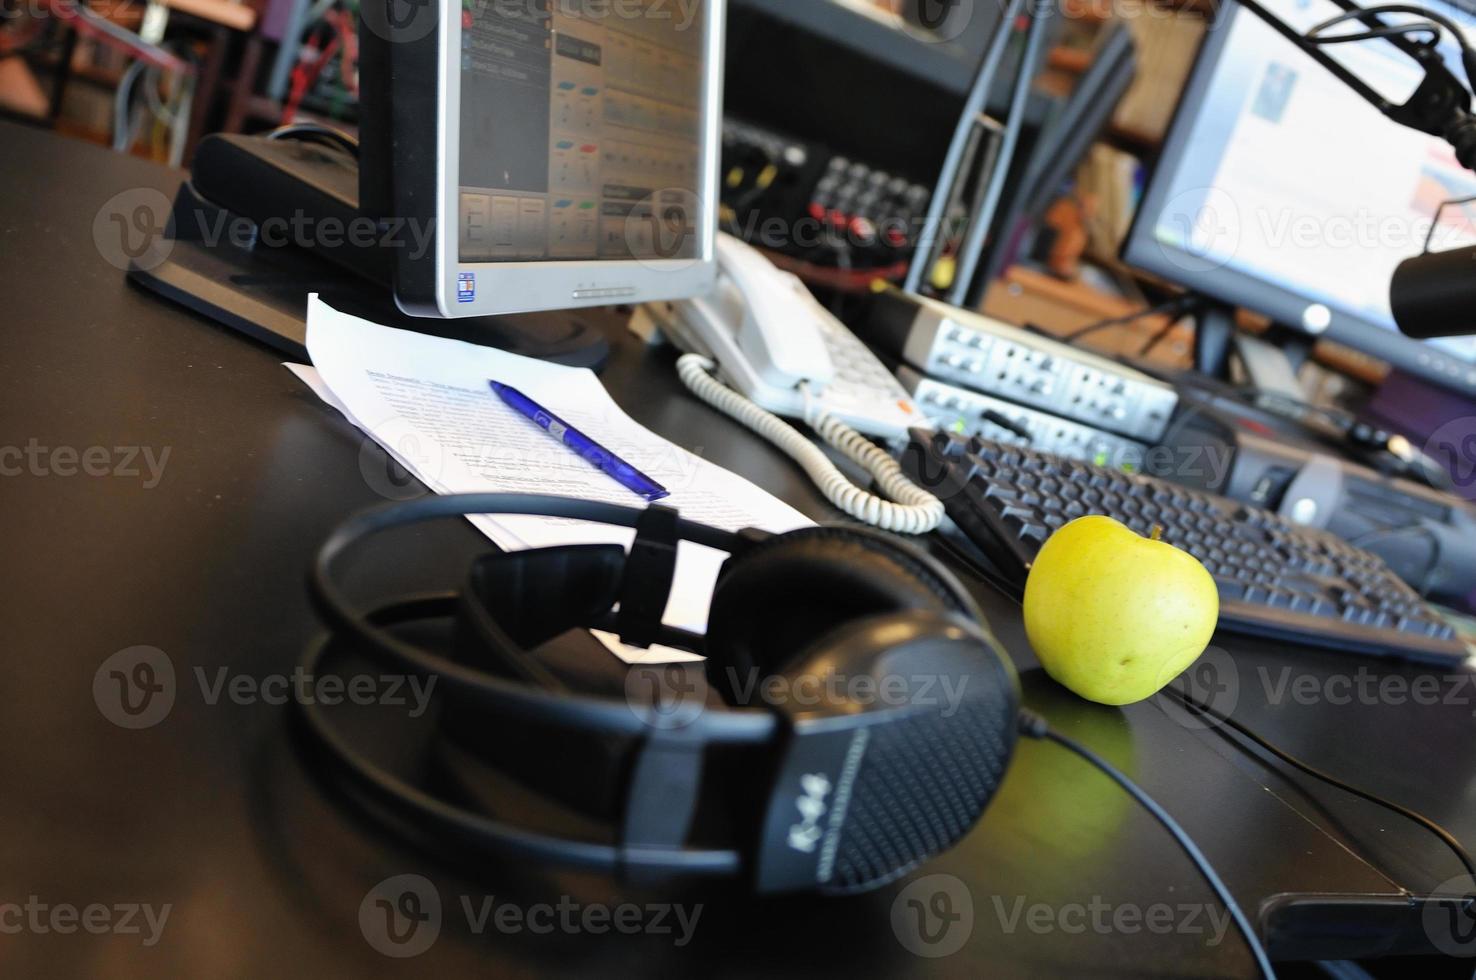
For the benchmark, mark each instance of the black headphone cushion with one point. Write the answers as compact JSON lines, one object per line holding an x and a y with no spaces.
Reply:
{"x":776,"y":599}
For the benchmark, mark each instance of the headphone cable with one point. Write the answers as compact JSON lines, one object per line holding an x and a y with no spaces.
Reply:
{"x":1034,"y":726}
{"x":1193,"y":704}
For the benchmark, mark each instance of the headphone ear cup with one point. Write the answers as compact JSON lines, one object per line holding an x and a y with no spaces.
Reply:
{"x":775,"y":600}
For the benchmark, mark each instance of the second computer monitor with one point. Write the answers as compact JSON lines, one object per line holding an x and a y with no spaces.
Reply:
{"x":1280,"y":190}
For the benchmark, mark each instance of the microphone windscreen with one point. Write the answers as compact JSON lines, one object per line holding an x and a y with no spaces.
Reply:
{"x":1434,"y":295}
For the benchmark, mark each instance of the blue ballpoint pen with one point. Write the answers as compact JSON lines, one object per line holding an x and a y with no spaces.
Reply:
{"x":592,"y":452}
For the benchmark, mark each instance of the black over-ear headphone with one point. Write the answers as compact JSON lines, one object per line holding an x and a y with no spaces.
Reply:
{"x":861,"y":718}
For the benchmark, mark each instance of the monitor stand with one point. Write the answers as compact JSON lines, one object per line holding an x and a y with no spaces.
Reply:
{"x":1271,"y":361}
{"x":213,"y":260}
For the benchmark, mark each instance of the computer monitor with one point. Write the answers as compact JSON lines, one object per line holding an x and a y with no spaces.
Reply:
{"x":564,"y":151}
{"x":1278,"y":189}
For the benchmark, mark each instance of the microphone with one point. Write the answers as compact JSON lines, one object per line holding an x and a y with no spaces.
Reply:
{"x":1434,"y":295}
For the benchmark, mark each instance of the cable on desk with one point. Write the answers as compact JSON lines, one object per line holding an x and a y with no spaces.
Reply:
{"x":1193,"y":704}
{"x":1160,"y":337}
{"x":1173,"y":305}
{"x":911,"y":509}
{"x":1034,"y":726}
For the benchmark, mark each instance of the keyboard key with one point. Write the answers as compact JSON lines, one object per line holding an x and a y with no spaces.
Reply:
{"x":1036,"y":534}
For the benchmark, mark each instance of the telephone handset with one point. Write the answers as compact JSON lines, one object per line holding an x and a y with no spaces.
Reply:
{"x":779,"y":347}
{"x":783,"y":353}
{"x":775,"y":334}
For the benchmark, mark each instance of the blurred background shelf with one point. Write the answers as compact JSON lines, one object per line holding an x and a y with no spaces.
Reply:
{"x":947,"y":58}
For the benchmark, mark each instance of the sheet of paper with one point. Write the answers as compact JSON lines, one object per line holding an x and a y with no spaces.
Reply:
{"x":427,"y":401}
{"x":309,"y":376}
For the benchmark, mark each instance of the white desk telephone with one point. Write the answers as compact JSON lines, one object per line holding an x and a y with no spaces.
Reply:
{"x":777,"y":345}
{"x":783,"y":353}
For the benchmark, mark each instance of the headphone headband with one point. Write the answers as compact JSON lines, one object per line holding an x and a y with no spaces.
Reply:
{"x":726,"y":726}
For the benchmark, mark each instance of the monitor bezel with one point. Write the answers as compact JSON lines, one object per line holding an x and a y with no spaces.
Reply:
{"x":549,"y":284}
{"x":1142,"y":249}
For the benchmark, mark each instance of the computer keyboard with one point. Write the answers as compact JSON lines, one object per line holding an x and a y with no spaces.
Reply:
{"x":1275,"y":578}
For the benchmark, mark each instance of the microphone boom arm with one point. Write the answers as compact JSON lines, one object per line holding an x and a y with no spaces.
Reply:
{"x":1440,"y":106}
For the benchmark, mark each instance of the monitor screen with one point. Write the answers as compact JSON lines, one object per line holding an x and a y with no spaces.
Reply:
{"x":581,"y":129}
{"x":1281,"y":190}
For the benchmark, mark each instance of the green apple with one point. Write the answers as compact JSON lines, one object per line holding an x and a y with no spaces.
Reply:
{"x":1115,"y":616}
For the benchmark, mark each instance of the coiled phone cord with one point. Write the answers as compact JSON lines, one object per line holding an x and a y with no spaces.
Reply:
{"x":911,"y":509}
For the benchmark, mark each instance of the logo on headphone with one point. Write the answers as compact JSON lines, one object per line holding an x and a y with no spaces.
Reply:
{"x":1449,"y":917}
{"x":401,"y":916}
{"x":934,"y":916}
{"x":666,"y":697}
{"x":806,"y":834}
{"x":134,"y":688}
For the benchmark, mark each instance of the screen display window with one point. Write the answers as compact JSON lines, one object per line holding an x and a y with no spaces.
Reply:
{"x":1288,"y":176}
{"x":580,"y":129}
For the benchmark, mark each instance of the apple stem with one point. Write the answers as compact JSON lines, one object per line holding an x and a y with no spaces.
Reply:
{"x":1157,"y":532}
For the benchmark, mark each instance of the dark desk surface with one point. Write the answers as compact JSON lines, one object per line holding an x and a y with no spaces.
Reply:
{"x":212,"y":811}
